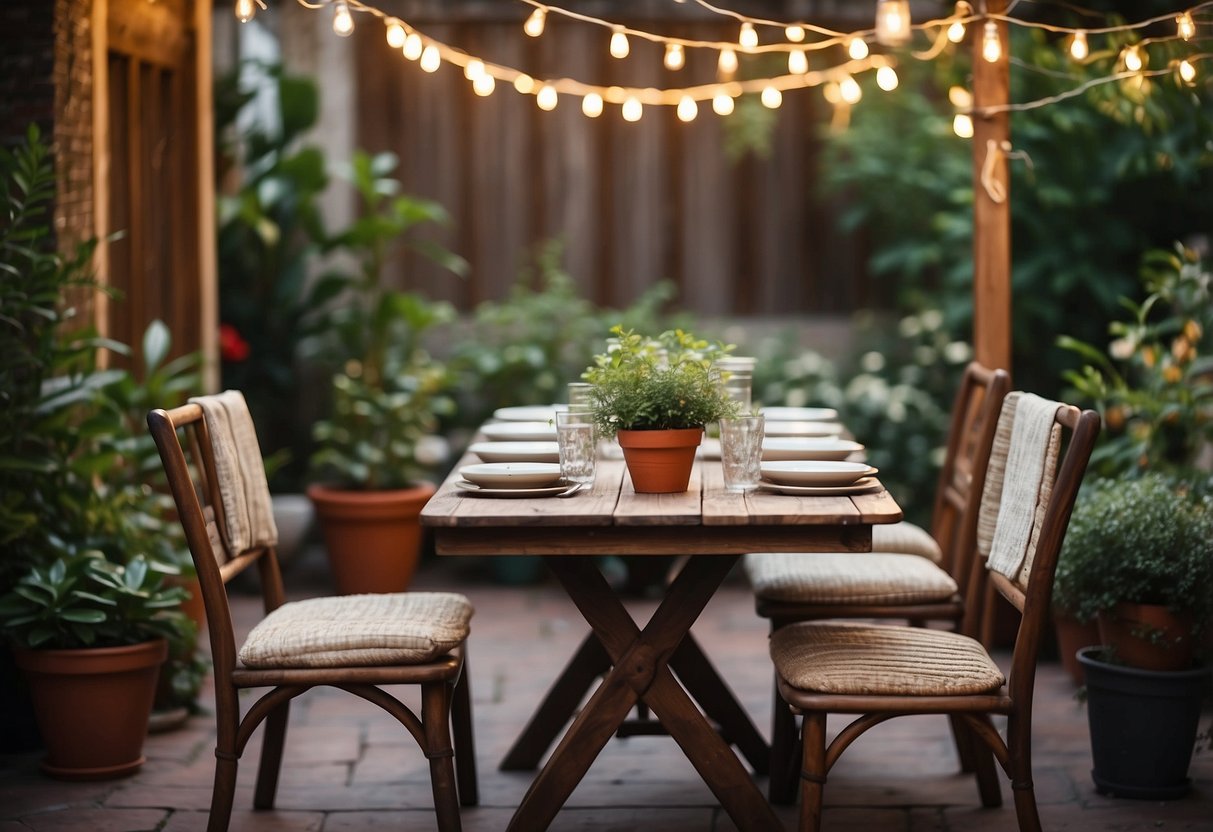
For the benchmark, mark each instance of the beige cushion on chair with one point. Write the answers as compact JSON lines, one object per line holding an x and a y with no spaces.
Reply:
{"x":352,"y":630}
{"x":905,"y":538}
{"x":868,"y":659}
{"x":842,"y":578}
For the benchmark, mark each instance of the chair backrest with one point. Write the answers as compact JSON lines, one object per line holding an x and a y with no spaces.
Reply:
{"x":1040,"y":509}
{"x":196,"y":491}
{"x":961,"y":479}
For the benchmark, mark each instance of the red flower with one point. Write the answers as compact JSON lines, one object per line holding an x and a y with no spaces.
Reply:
{"x":232,"y":347}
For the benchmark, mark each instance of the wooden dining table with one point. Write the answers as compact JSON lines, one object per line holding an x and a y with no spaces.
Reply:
{"x":657,"y":667}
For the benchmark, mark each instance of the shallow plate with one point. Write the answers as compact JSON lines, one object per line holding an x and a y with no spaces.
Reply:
{"x":512,"y":474}
{"x":516,"y":451}
{"x":709,"y":448}
{"x":815,"y":472}
{"x":516,"y":493}
{"x":521,"y":431}
{"x":799,"y":428}
{"x":803,"y":414}
{"x":867,"y":485}
{"x":808,"y":447}
{"x":528,"y":412}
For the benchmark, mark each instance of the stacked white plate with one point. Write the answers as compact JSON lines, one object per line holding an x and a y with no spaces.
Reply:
{"x":800,"y":414}
{"x":512,"y":479}
{"x":516,"y":451}
{"x":521,"y":431}
{"x":797,"y":427}
{"x":808,"y":447}
{"x":818,"y":477}
{"x":528,"y":412}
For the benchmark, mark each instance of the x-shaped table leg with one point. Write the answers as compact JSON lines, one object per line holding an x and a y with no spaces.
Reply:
{"x":641,"y":671}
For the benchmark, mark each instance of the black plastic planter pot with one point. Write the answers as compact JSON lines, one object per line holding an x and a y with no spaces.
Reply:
{"x":1143,"y":726}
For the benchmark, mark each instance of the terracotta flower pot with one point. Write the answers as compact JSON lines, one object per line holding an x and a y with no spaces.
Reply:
{"x":92,"y":706}
{"x":373,"y":538}
{"x":660,"y":461}
{"x":1148,"y":636}
{"x":1072,"y":637}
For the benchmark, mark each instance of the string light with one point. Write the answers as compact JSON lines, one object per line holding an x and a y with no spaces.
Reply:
{"x":962,"y":125}
{"x":632,"y":109}
{"x":722,"y":104}
{"x":534,"y":24}
{"x":484,"y":85}
{"x":956,"y":32}
{"x":413,"y":46}
{"x":1133,"y":59}
{"x":675,"y":57}
{"x":886,"y":78}
{"x":687,"y":109}
{"x":747,"y":38}
{"x":474,"y":69}
{"x":1078,"y":46}
{"x":849,"y":90}
{"x":794,"y":33}
{"x":343,"y":21}
{"x":798,"y":62}
{"x":991,"y":43}
{"x":395,"y":34}
{"x":1187,"y":72}
{"x":857,"y":48}
{"x":245,"y":10}
{"x":619,"y":44}
{"x":1185,"y":27}
{"x":431,"y":58}
{"x":892,"y":22}
{"x":524,"y":83}
{"x":546,"y":98}
{"x":771,"y":98}
{"x":726,"y":65}
{"x":591,"y":105}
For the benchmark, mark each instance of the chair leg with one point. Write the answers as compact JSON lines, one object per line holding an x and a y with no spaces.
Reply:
{"x":984,"y":769}
{"x":462,"y":734}
{"x":965,"y":744}
{"x":436,"y":718}
{"x":223,"y":792}
{"x":785,"y":754}
{"x":1019,"y":745}
{"x":813,"y":774}
{"x":271,"y":756}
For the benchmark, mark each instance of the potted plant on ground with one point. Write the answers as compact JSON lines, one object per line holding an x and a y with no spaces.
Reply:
{"x":388,"y":393}
{"x":655,"y":396}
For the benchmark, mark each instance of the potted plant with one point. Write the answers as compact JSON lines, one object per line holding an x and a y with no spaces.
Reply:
{"x":655,"y":397}
{"x":388,"y":393}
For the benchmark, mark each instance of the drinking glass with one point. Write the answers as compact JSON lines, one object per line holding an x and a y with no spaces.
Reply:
{"x":579,"y":396}
{"x":741,"y":452}
{"x":576,"y":440}
{"x":738,"y":374}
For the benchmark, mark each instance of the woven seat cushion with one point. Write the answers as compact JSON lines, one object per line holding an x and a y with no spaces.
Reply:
{"x":842,"y":578}
{"x":907,"y":539}
{"x":354,"y":630}
{"x":867,"y":659}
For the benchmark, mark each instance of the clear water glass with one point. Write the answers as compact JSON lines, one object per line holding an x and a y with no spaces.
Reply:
{"x":737,"y":372}
{"x":577,"y":441}
{"x":741,"y":452}
{"x":579,"y":396}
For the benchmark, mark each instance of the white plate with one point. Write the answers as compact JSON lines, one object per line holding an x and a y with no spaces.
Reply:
{"x":815,"y":472}
{"x":709,"y":448}
{"x":866,"y":485}
{"x":521,"y":431}
{"x":806,"y":447}
{"x":546,"y":491}
{"x":799,"y":428}
{"x":516,"y":451}
{"x":512,"y":474}
{"x":803,"y":414}
{"x":528,"y":412}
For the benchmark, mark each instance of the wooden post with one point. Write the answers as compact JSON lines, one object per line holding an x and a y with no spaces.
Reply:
{"x":991,"y":217}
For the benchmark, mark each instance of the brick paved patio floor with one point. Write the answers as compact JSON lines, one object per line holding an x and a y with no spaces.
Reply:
{"x":350,"y":768}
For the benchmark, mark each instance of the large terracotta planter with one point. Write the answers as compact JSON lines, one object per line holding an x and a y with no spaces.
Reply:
{"x":1072,"y":636}
{"x":660,"y":461}
{"x":92,"y":706}
{"x":1147,"y":636}
{"x":373,"y":538}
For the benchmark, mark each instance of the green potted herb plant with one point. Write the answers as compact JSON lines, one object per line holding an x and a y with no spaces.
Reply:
{"x":388,"y":393}
{"x":656,"y":396}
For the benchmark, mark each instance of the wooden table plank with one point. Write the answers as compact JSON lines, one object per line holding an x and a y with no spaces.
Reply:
{"x":681,"y":509}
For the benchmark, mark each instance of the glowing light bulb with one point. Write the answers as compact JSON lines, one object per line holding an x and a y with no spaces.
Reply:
{"x":395,"y":34}
{"x":430,"y":58}
{"x":1185,"y":27}
{"x":524,"y":83}
{"x":474,"y":69}
{"x":632,"y":109}
{"x":991,"y":43}
{"x":413,"y":46}
{"x":747,"y":38}
{"x":771,"y":98}
{"x":886,"y":78}
{"x":798,"y":62}
{"x":1078,"y":46}
{"x":1133,"y":59}
{"x":534,"y":23}
{"x":675,"y":57}
{"x":546,"y":98}
{"x":794,"y":33}
{"x":857,"y":48}
{"x":892,"y":22}
{"x":727,"y":64}
{"x":484,"y":84}
{"x":960,"y":98}
{"x":849,"y":90}
{"x":956,"y":32}
{"x":1187,"y":72}
{"x":591,"y":105}
{"x":722,"y":104}
{"x":831,"y":92}
{"x":246,"y":10}
{"x":343,"y":21}
{"x":687,"y":108}
{"x":962,"y":125}
{"x":619,"y":44}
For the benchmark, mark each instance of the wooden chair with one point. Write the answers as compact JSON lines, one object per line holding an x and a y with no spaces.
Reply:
{"x":880,"y":671}
{"x":358,"y":643}
{"x":910,"y":574}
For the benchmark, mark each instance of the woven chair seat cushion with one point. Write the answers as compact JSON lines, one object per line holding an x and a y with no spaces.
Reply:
{"x":842,"y":578}
{"x":907,"y":539}
{"x":869,"y":659}
{"x":359,"y":630}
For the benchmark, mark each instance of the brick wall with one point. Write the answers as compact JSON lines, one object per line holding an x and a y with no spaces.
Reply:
{"x":73,"y":109}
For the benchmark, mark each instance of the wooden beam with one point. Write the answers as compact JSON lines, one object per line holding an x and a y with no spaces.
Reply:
{"x":991,"y":203}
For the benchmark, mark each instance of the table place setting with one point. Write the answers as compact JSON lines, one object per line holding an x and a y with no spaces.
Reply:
{"x":516,"y":451}
{"x":528,"y":412}
{"x":797,"y":427}
{"x":815,"y":477}
{"x":544,"y":431}
{"x":800,"y":414}
{"x":515,"y":479}
{"x":809,"y":447}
